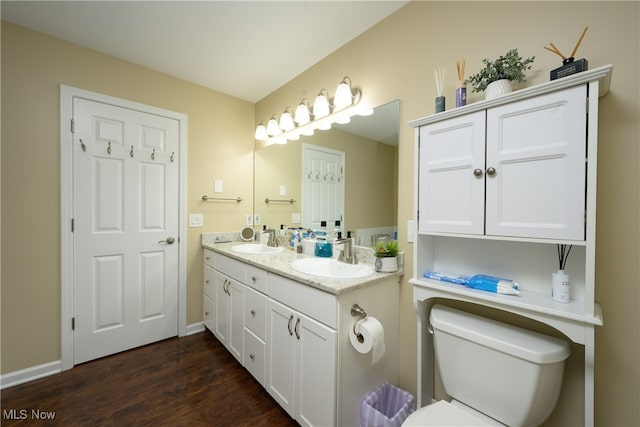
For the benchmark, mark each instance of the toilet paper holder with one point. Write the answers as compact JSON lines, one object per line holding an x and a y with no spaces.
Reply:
{"x":357,"y":311}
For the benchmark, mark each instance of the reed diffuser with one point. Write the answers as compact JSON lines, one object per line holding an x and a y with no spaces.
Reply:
{"x":440,"y":100}
{"x":461,"y":88}
{"x":560,"y":283}
{"x":569,"y":64}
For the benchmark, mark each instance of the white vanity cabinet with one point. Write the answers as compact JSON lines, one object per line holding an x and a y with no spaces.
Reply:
{"x":512,"y":170}
{"x":301,"y":353}
{"x":499,"y":184}
{"x":293,"y":336}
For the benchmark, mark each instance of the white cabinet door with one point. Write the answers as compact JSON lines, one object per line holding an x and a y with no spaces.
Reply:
{"x":315,"y":373}
{"x":221,"y":330}
{"x":537,"y":148}
{"x":451,"y":175}
{"x":281,"y":355}
{"x":301,"y":365}
{"x":235,"y":343}
{"x":229,"y":314}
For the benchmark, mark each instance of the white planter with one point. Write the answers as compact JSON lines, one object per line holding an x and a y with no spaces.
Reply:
{"x":387,"y":264}
{"x":497,"y":88}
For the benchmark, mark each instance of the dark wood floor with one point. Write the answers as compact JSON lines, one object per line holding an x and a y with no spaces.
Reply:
{"x":190,"y":381}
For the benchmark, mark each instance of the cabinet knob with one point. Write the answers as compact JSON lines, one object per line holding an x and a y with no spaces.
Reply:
{"x":491,"y":171}
{"x":206,"y":313}
{"x":252,"y":356}
{"x":477,"y":172}
{"x":206,"y":281}
{"x":254,"y":278}
{"x":253,"y":312}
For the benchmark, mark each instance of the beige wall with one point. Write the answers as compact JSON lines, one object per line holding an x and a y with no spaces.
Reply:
{"x":396,"y":59}
{"x":220,"y":146}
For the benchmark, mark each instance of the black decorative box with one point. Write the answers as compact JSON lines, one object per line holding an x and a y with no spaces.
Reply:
{"x":569,"y":67}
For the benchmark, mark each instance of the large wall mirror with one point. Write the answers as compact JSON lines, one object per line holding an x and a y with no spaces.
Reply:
{"x":300,"y":183}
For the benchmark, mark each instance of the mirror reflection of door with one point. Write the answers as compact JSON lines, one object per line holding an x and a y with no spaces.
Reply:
{"x":323,"y":172}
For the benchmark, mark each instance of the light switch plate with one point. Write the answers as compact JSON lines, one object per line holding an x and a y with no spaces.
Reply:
{"x":295,"y":218}
{"x":196,"y":220}
{"x":249,"y":220}
{"x":217,"y":186}
{"x":283,"y":190}
{"x":257,"y":219}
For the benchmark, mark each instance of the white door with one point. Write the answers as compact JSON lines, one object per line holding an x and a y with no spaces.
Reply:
{"x":538,"y":188}
{"x":451,"y":181}
{"x":323,"y":181}
{"x":126,"y":213}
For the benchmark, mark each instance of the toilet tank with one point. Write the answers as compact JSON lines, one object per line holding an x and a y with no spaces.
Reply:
{"x":511,"y":374}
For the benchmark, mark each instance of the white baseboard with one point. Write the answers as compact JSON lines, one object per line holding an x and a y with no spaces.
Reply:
{"x":29,"y":374}
{"x":195,"y":328}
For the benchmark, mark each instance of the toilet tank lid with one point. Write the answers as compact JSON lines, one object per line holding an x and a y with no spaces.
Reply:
{"x":518,"y":342}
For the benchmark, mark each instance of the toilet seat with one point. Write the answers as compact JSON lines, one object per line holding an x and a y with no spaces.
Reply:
{"x":442,"y":413}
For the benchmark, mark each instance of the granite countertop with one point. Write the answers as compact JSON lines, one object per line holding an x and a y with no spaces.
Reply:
{"x":280,"y":263}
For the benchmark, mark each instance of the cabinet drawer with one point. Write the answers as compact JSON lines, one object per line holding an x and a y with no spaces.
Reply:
{"x":313,"y":302}
{"x":255,"y":313}
{"x":208,"y":313}
{"x":231,"y":267}
{"x":254,"y":356}
{"x":208,"y":257}
{"x":256,"y":278}
{"x":208,"y":288}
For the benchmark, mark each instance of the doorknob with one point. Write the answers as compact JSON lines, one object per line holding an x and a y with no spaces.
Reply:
{"x":169,"y":240}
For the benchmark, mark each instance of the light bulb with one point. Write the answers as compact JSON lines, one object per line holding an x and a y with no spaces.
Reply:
{"x":272,"y":127}
{"x":261,"y":132}
{"x":302,"y":116}
{"x":286,"y":121}
{"x":321,"y":105}
{"x":343,"y":97}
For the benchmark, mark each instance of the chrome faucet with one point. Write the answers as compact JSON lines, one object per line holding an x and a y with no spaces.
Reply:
{"x":273,"y":242}
{"x":347,"y":256}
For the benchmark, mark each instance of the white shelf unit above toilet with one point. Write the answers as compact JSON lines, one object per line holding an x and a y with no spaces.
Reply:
{"x":498,"y":184}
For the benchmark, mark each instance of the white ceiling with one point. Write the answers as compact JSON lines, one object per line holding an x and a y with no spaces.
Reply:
{"x":246,"y":49}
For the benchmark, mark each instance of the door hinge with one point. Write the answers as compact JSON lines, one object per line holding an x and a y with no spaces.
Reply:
{"x":73,"y":225}
{"x":73,"y":126}
{"x":73,"y":323}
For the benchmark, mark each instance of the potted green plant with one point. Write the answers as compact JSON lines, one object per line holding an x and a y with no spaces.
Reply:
{"x":496,"y":76}
{"x":386,"y":252}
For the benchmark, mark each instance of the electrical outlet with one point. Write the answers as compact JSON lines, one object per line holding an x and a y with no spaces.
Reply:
{"x":249,"y":220}
{"x":257,"y":219}
{"x":411,"y":231}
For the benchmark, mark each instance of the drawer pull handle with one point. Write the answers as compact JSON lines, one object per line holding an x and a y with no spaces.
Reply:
{"x":296,"y":329}
{"x":253,"y":313}
{"x":289,"y":325}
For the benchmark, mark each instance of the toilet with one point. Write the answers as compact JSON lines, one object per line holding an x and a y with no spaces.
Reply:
{"x":496,"y":374}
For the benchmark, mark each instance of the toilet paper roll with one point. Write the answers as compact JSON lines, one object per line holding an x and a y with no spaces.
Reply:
{"x":368,"y":337}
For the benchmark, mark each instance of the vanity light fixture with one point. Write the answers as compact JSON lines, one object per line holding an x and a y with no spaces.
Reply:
{"x":261,"y":132}
{"x":286,"y":121}
{"x":343,"y":97}
{"x":345,"y":105}
{"x":321,"y":105}
{"x":272,"y":127}
{"x":302,"y":116}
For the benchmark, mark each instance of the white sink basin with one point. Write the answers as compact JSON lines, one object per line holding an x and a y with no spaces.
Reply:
{"x":329,"y":267}
{"x":256,"y":249}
